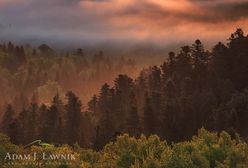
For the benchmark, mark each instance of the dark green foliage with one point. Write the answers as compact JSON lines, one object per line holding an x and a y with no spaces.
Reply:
{"x":149,"y":117}
{"x":53,"y":121}
{"x":92,"y":105}
{"x":190,"y":90}
{"x":57,"y":124}
{"x":73,"y":118}
{"x":232,"y":115}
{"x":132,"y":121}
{"x":10,"y":125}
{"x":8,"y":118}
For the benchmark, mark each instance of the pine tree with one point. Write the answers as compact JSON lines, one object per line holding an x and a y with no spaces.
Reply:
{"x":123,"y":88}
{"x":106,"y":117}
{"x":43,"y":124}
{"x":132,"y":121}
{"x":73,"y":123}
{"x":92,"y":105}
{"x":10,"y":47}
{"x":104,"y":99}
{"x":149,"y":118}
{"x":15,"y":131}
{"x":32,"y":129}
{"x":106,"y":128}
{"x":54,"y":120}
{"x":154,"y":79}
{"x":23,"y":119}
{"x":8,"y":118}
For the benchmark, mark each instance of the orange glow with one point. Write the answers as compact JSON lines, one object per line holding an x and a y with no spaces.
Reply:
{"x":136,"y":20}
{"x":172,"y":4}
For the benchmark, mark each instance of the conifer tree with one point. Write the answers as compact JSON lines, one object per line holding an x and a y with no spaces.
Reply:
{"x":149,"y":118}
{"x":132,"y":121}
{"x":8,"y":118}
{"x":73,"y":122}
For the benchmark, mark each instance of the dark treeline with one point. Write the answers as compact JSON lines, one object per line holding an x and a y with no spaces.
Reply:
{"x":58,"y":123}
{"x":192,"y":89}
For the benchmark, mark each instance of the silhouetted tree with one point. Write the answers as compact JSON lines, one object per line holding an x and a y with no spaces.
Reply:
{"x":23,"y":119}
{"x":10,"y":47}
{"x":45,"y":49}
{"x":92,"y":105}
{"x":32,"y":129}
{"x":73,"y":122}
{"x":149,"y":118}
{"x":132,"y":121}
{"x":15,"y":131}
{"x":8,"y":118}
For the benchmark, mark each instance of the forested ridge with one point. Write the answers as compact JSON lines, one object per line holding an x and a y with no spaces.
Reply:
{"x":193,"y":88}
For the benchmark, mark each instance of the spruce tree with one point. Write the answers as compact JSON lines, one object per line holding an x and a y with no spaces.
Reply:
{"x":149,"y":118}
{"x":132,"y":121}
{"x":8,"y":118}
{"x":73,"y":123}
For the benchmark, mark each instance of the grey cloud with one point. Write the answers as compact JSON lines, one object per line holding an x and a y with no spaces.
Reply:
{"x":233,"y":11}
{"x":51,"y":19}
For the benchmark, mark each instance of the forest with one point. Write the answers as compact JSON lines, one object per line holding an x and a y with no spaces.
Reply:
{"x":43,"y":72}
{"x":147,"y":120}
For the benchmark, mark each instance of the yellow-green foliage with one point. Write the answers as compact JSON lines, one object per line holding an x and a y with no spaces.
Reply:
{"x":6,"y":146}
{"x":206,"y":150}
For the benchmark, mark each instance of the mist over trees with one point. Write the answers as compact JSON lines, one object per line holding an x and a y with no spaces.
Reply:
{"x":43,"y":72}
{"x":193,"y":88}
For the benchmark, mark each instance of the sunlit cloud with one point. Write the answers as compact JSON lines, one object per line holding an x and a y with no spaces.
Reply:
{"x":121,"y":20}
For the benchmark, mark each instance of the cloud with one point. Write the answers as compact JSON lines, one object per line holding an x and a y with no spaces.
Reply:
{"x":212,"y":11}
{"x":120,"y":20}
{"x":219,"y":10}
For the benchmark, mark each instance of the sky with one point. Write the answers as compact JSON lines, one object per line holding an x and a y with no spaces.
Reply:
{"x":117,"y":21}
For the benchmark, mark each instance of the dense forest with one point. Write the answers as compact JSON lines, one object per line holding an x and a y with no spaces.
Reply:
{"x":41,"y":73}
{"x":191,"y":89}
